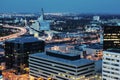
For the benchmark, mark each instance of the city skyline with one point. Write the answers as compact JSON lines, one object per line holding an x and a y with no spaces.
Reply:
{"x":78,"y":6}
{"x":72,"y":41}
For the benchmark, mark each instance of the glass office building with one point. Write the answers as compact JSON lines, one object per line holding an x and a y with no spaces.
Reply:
{"x":111,"y":37}
{"x":18,"y":49}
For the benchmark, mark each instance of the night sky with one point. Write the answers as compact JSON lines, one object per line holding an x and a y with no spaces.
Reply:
{"x":75,"y":6}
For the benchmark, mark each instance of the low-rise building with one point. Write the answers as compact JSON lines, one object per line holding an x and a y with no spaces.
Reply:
{"x":95,"y":50}
{"x":60,"y":66}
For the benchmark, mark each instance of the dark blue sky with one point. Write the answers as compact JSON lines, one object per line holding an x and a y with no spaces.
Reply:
{"x":81,"y":6}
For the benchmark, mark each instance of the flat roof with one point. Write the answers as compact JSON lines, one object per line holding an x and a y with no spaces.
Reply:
{"x":76,"y":63}
{"x":65,"y":50}
{"x":2,"y":50}
{"x":95,"y":46}
{"x":24,"y":39}
{"x":113,"y":50}
{"x":67,"y":53}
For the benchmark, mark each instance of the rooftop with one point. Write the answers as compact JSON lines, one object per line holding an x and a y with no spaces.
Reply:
{"x":65,"y":50}
{"x":76,"y":63}
{"x":24,"y":40}
{"x":114,"y":50}
{"x":68,"y":53}
{"x":1,"y":50}
{"x":95,"y":46}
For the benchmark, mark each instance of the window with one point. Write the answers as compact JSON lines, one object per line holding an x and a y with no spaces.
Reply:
{"x":104,"y":79}
{"x":115,"y":64}
{"x":107,"y":58}
{"x":106,"y":62}
{"x":106,"y":71}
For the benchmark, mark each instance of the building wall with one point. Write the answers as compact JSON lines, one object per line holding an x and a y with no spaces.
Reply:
{"x":17,"y":53}
{"x":41,"y":67}
{"x":93,"y":51}
{"x":111,"y":66}
{"x":111,"y":37}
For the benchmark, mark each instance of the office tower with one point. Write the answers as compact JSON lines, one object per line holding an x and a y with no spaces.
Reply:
{"x":17,"y":51}
{"x":57,"y":65}
{"x":111,"y":65}
{"x":111,"y":37}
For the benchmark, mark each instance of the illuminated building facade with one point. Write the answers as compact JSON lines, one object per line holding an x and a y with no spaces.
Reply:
{"x":17,"y":51}
{"x":111,"y":65}
{"x":111,"y":37}
{"x":59,"y":66}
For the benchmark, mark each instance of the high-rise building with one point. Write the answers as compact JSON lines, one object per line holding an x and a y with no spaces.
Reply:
{"x":111,"y":37}
{"x":17,"y":51}
{"x":111,"y":65}
{"x":57,"y":65}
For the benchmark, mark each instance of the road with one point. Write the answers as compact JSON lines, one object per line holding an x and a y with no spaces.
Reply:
{"x":15,"y":35}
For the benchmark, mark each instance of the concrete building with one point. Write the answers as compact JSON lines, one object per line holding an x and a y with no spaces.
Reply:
{"x":95,"y":50}
{"x":111,"y":65}
{"x":57,"y":65}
